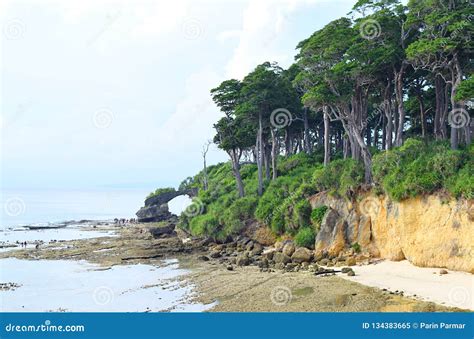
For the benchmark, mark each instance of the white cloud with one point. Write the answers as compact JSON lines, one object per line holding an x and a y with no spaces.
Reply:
{"x":228,"y":35}
{"x":263,"y":23}
{"x":191,"y":123}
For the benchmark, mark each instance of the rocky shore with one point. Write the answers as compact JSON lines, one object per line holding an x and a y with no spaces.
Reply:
{"x":240,"y":275}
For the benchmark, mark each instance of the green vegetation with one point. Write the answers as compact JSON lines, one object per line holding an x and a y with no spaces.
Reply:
{"x":305,"y":237}
{"x":160,"y":191}
{"x":317,"y":216}
{"x":378,"y":102}
{"x":356,"y":247}
{"x":417,"y":168}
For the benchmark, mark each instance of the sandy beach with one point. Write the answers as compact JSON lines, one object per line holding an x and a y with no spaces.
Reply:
{"x":454,"y":289}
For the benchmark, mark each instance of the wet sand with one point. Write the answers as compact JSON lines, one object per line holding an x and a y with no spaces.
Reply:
{"x":247,"y":289}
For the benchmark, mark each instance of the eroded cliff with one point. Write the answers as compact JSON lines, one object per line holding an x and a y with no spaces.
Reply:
{"x":428,"y":231}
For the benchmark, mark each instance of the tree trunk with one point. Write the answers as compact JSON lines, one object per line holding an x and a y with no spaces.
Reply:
{"x":307,"y":143}
{"x":327,"y":151}
{"x":260,"y":155}
{"x":345,"y":147}
{"x":205,"y":173}
{"x":387,"y":107}
{"x":274,"y":155}
{"x":366,"y":156}
{"x":401,"y":109}
{"x":266,"y":158}
{"x":456,"y":81}
{"x":439,"y":94}
{"x":422,"y":114}
{"x":384,"y":131}
{"x":235,"y":158}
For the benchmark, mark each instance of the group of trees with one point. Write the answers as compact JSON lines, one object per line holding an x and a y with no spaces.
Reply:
{"x":358,"y":85}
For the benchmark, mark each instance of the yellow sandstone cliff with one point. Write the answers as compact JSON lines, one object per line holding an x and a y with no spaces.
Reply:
{"x":427,"y":231}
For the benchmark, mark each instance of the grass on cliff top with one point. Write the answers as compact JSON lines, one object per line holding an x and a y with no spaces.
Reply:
{"x":160,"y":191}
{"x":414,"y":169}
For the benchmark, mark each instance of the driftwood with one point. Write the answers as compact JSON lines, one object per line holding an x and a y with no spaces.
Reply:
{"x":326,"y":272}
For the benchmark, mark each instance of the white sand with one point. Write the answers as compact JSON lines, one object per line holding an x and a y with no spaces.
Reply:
{"x":452,"y":289}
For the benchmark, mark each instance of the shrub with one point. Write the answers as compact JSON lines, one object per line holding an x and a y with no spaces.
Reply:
{"x":416,"y":168}
{"x":237,"y":213}
{"x":278,"y":222}
{"x":205,"y":224}
{"x":305,"y":237}
{"x":356,"y":247}
{"x":160,"y":191}
{"x":301,"y":213}
{"x":318,"y":214}
{"x":462,"y":184}
{"x":339,"y":177}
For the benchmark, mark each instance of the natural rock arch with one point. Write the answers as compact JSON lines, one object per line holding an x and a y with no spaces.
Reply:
{"x":156,"y":207}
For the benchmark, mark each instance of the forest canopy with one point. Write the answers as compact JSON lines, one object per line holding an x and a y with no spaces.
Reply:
{"x":381,"y":98}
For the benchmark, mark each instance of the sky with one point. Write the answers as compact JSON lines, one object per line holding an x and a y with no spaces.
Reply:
{"x":115,"y":93}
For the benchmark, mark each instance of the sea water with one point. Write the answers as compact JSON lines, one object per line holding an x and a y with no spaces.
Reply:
{"x":78,"y":286}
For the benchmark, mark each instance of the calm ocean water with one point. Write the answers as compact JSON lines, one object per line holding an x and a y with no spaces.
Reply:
{"x":42,"y":206}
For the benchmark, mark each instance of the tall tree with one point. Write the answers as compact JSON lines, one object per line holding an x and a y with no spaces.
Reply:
{"x":444,"y":47}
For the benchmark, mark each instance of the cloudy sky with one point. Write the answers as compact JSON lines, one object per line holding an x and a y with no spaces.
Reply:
{"x":110,"y":93}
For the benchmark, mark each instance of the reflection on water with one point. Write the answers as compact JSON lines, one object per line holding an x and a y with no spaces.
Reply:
{"x":61,"y":285}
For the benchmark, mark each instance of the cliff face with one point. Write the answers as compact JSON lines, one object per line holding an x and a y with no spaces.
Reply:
{"x":427,"y":231}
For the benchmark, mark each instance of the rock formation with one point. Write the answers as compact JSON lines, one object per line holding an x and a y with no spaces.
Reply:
{"x":427,"y":231}
{"x":156,"y":207}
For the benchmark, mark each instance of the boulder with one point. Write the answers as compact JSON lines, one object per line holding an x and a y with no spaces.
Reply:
{"x":257,"y":249}
{"x":281,"y":258}
{"x":289,"y":249}
{"x":351,"y":261}
{"x":243,"y":260}
{"x":301,"y":254}
{"x":269,"y":253}
{"x":160,"y":230}
{"x":279,"y":246}
{"x":324,"y":262}
{"x":215,"y":254}
{"x":154,"y":213}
